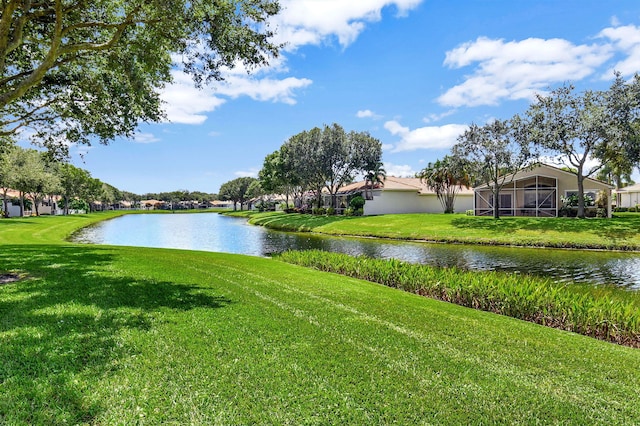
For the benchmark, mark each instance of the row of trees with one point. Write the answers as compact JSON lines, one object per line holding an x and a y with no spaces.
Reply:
{"x":37,"y":176}
{"x":321,"y":158}
{"x":564,"y":126}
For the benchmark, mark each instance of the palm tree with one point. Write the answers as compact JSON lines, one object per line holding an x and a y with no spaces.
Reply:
{"x":375,"y":175}
{"x":446,"y":177}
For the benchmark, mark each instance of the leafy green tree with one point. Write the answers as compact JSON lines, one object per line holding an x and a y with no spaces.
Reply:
{"x":573,"y":126}
{"x":236,"y":190}
{"x":73,"y":180}
{"x":495,"y":152}
{"x":621,"y":152}
{"x":35,"y":178}
{"x":446,"y":178}
{"x":77,"y":69}
{"x":7,"y":172}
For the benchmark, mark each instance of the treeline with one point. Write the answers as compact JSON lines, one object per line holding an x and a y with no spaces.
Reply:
{"x":308,"y":162}
{"x":573,"y":128}
{"x":38,"y":177}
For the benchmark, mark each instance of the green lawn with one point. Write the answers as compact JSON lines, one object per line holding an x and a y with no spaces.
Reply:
{"x":621,"y":232}
{"x":120,"y":335}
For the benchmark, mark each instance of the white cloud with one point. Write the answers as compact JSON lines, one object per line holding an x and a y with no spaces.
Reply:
{"x":429,"y":137}
{"x":247,"y":173}
{"x":303,"y":22}
{"x":399,"y":170}
{"x":367,"y":113}
{"x":186,"y":104}
{"x":265,"y":89}
{"x":518,"y":69}
{"x":437,"y":117}
{"x":625,"y":39}
{"x":145,"y":138}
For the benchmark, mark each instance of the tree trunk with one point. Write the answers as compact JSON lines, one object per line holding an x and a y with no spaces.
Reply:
{"x":21,"y":204}
{"x":35,"y":205}
{"x":580,"y":194}
{"x":496,"y":204}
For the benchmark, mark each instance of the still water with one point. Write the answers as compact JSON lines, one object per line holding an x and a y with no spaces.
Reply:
{"x":213,"y":232}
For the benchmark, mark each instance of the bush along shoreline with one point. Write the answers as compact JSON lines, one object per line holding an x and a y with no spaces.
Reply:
{"x":603,"y":313}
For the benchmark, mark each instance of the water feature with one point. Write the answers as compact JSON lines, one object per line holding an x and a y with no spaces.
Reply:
{"x":213,"y":232}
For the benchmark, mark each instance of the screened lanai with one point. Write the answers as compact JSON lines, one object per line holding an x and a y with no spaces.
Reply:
{"x":530,"y":196}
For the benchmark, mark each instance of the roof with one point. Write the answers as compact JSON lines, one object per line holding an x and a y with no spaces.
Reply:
{"x":630,"y":188}
{"x":393,"y":183}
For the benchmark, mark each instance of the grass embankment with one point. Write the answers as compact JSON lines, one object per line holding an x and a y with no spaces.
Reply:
{"x":619,"y":233}
{"x":604,"y":313}
{"x":123,"y":335}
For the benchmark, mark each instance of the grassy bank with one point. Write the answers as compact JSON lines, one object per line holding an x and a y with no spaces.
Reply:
{"x":620,"y":233}
{"x":605,"y":313}
{"x":120,"y":335}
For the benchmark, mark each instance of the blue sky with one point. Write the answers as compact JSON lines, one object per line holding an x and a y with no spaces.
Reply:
{"x":413,"y":73}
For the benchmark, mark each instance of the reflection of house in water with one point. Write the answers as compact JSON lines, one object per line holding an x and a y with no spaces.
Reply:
{"x":537,"y":192}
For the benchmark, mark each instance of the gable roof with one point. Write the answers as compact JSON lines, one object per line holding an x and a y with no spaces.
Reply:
{"x":630,"y":188}
{"x":393,"y":183}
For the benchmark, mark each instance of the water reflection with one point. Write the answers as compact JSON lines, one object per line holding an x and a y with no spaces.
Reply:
{"x":212,"y":232}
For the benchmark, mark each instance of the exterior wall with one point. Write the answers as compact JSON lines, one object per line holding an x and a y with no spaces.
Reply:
{"x":399,"y":202}
{"x":629,"y":199}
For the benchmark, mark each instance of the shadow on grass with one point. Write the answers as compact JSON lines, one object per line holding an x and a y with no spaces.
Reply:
{"x":615,"y":230}
{"x":63,"y":325}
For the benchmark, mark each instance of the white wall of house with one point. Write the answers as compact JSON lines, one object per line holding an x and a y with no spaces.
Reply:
{"x":629,"y":199}
{"x":399,"y":202}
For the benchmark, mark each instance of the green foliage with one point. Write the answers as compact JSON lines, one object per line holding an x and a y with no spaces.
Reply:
{"x":96,"y":68}
{"x":357,"y":202}
{"x":621,"y":232}
{"x":331,"y":211}
{"x":446,"y":177}
{"x":611,"y":317}
{"x":237,"y":190}
{"x":130,"y":335}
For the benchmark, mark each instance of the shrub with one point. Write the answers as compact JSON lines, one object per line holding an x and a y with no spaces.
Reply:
{"x":331,"y":211}
{"x":357,"y":202}
{"x":349,"y":212}
{"x":319,"y":211}
{"x":470,"y":212}
{"x":358,"y":212}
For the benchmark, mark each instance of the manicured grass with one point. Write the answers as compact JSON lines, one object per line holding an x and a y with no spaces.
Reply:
{"x":605,"y":313}
{"x":122,"y":335}
{"x":621,"y":232}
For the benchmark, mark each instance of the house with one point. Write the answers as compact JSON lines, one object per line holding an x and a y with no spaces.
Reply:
{"x":398,"y":195}
{"x":537,"y":192}
{"x":49,"y":205}
{"x":629,"y":196}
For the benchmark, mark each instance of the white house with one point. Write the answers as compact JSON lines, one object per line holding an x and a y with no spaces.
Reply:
{"x":629,"y":196}
{"x":401,"y":195}
{"x":537,"y":192}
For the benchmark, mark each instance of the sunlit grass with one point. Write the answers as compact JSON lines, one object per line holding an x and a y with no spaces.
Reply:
{"x":123,"y":335}
{"x":621,"y":232}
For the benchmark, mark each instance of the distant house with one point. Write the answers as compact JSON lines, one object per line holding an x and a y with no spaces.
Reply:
{"x":537,"y":192}
{"x":49,"y":205}
{"x":151,"y":204}
{"x":218,"y":204}
{"x":629,"y":196}
{"x":398,"y":195}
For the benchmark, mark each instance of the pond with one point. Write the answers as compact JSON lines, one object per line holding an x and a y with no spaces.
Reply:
{"x":214,"y":232}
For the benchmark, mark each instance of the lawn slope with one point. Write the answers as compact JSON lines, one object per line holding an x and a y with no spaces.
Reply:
{"x":121,"y":335}
{"x":621,"y":232}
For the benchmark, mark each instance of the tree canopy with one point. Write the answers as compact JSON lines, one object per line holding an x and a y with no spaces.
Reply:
{"x":78,"y":69}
